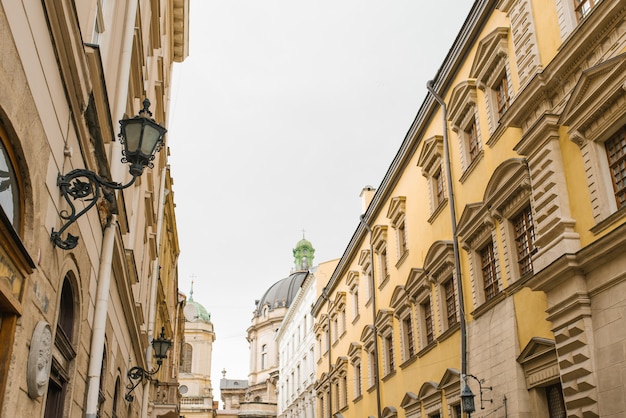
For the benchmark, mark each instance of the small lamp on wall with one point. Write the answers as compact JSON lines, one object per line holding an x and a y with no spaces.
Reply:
{"x":137,"y":374}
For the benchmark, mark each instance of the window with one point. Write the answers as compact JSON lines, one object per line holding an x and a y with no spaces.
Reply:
{"x":473,"y":144}
{"x":463,"y":116}
{"x":263,"y":356}
{"x":64,"y":352}
{"x":502,"y":95}
{"x":389,"y":358}
{"x":9,"y":190}
{"x":187,"y":357}
{"x":116,"y":395}
{"x":616,"y":153}
{"x":488,"y":266}
{"x":582,"y":8}
{"x":438,"y":188}
{"x":379,"y":242}
{"x":407,"y":337}
{"x":524,"y":240}
{"x":354,"y":354}
{"x":397,"y":216}
{"x":429,"y":332}
{"x":430,"y":160}
{"x":490,"y":69}
{"x":450,"y":297}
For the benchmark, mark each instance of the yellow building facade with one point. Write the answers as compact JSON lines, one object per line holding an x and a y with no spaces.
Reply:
{"x":80,"y":307}
{"x":492,"y":254}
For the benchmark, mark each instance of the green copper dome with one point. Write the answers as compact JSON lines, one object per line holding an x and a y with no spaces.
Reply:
{"x":194,"y":311}
{"x":303,"y":254}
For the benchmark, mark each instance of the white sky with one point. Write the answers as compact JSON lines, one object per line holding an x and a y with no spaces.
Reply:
{"x":283,"y":111}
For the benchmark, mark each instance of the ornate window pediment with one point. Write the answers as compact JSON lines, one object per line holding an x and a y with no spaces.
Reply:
{"x":379,"y":236}
{"x":410,"y":403}
{"x":490,"y":50}
{"x":430,"y":394}
{"x":431,"y":155}
{"x":462,"y":104}
{"x":354,"y":351}
{"x":539,"y":361}
{"x":397,"y":210}
{"x":352,"y":278}
{"x":384,"y":319}
{"x":439,"y":261}
{"x":389,"y":412}
{"x":367,"y":336}
{"x":475,"y":225}
{"x":365,"y":260}
{"x":417,"y":284}
{"x":399,"y":299}
{"x":508,"y":188}
{"x":598,"y":100}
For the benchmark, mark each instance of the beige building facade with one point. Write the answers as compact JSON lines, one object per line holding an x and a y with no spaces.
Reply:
{"x":491,"y":257}
{"x":76,"y":315}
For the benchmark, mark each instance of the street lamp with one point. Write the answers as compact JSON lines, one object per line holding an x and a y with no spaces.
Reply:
{"x":467,"y":399}
{"x":160,"y":346}
{"x":142,"y":138}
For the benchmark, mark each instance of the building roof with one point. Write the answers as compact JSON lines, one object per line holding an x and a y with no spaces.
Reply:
{"x":281,"y":293}
{"x":195,"y":311}
{"x":233,"y":384}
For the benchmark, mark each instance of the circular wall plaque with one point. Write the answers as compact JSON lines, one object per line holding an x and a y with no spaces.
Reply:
{"x":39,"y":360}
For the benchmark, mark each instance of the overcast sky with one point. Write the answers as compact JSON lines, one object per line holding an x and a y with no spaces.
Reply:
{"x":283,"y":111}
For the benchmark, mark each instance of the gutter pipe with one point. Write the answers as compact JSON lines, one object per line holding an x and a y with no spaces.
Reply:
{"x":108,"y":240}
{"x":455,"y":237}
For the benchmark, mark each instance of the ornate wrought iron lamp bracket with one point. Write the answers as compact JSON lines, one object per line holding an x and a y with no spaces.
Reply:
{"x":85,"y":185}
{"x":142,"y":138}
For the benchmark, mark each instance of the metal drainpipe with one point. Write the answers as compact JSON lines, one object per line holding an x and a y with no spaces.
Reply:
{"x":106,"y":256}
{"x":153,"y":291}
{"x":99,"y":320}
{"x":455,"y":237}
{"x":374,"y":328}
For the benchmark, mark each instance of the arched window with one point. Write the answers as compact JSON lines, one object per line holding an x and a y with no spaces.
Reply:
{"x":116,"y":395}
{"x":187,"y":356}
{"x":10,"y":200}
{"x":64,"y":351}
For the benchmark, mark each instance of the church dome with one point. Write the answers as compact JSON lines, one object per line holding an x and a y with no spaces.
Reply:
{"x":194,"y":311}
{"x":281,"y":293}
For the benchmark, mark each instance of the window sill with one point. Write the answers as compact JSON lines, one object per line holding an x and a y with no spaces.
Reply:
{"x":389,"y":376}
{"x":409,"y":361}
{"x":487,"y":306}
{"x":451,"y":330}
{"x":438,"y":211}
{"x":472,"y":166}
{"x":497,"y":134}
{"x":608,"y":221}
{"x":358,"y":398}
{"x":426,"y":349}
{"x":356,"y":319}
{"x":403,"y":257}
{"x":384,"y":282}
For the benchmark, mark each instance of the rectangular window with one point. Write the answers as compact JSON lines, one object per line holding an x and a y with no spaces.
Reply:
{"x":401,"y":239}
{"x":524,"y":240}
{"x":473,"y":146}
{"x":616,"y":153}
{"x":383,"y":265}
{"x":372,"y":368}
{"x":448,"y":288}
{"x":355,"y":302}
{"x":439,"y":194}
{"x":389,"y":354}
{"x":488,"y":265}
{"x":502,"y":96}
{"x":357,"y":380}
{"x":428,"y":322}
{"x":583,"y":7}
{"x":407,"y":332}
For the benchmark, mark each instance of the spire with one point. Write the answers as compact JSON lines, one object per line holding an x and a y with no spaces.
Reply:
{"x":303,"y":254}
{"x":191,"y":291}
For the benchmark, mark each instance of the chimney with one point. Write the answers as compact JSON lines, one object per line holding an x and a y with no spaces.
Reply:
{"x":366,"y":197}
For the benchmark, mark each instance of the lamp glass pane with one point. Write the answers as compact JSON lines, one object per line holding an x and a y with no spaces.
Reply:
{"x":132,"y":135}
{"x":151,"y":137}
